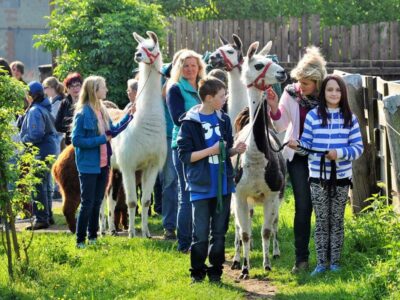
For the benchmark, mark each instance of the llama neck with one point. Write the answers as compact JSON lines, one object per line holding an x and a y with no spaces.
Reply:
{"x":149,"y":89}
{"x":257,"y":136}
{"x":237,"y":94}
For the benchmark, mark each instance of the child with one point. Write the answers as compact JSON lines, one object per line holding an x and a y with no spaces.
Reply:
{"x":330,"y":127}
{"x":203,"y":127}
{"x":92,"y":131}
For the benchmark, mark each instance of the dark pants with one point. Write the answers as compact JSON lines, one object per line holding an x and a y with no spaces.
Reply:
{"x":207,"y":222}
{"x":92,"y":193}
{"x":298,"y":172}
{"x":44,"y":197}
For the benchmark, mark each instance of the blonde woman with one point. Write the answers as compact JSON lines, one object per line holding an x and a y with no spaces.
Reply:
{"x":188,"y":68}
{"x":92,"y":131}
{"x":289,"y":114}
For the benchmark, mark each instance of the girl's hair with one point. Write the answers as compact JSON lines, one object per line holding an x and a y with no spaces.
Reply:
{"x":88,"y":96}
{"x":53,"y":82}
{"x":343,"y":104}
{"x":5,"y":67}
{"x":72,"y":78}
{"x":311,"y":66}
{"x":210,"y":86}
{"x":179,"y":61}
{"x":219,"y":74}
{"x":132,"y":84}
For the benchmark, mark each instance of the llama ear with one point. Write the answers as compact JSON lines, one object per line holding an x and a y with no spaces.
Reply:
{"x":223,"y":40}
{"x":138,"y":38}
{"x":153,"y":36}
{"x":266,"y":49}
{"x":252,"y":50}
{"x":238,"y":41}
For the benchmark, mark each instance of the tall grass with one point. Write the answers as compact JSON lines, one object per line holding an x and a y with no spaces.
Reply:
{"x":121,"y":268}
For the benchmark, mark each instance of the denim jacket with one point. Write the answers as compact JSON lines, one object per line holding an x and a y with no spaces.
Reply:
{"x":190,"y":139}
{"x":87,"y":140}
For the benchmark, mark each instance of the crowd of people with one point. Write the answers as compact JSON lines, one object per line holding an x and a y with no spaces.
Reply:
{"x":321,"y":134}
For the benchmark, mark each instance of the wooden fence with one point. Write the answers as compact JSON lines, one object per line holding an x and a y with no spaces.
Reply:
{"x":290,"y":35}
{"x":376,"y":103}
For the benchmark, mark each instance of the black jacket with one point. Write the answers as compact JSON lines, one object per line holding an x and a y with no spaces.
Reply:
{"x":64,"y":118}
{"x":190,"y":139}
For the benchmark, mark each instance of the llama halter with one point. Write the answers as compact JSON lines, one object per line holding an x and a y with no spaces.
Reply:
{"x":150,"y":55}
{"x":259,"y":83}
{"x":229,"y":65}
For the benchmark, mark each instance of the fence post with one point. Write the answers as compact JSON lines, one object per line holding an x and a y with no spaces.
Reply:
{"x":392,"y":115}
{"x":364,"y":174}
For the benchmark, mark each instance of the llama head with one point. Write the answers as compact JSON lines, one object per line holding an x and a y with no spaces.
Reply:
{"x":228,"y":56}
{"x":148,"y":50}
{"x":260,"y":72}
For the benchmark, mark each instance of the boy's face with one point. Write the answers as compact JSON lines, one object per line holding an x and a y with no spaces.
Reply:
{"x":217,"y":101}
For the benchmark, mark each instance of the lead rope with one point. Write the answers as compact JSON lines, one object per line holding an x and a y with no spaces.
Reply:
{"x":221,"y":160}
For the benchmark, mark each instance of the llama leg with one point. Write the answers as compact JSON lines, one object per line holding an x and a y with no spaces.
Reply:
{"x":242,"y":214}
{"x":102,"y":215}
{"x":236,"y":258}
{"x":69,"y":209}
{"x":148,"y":179}
{"x":276,"y":252}
{"x":129,"y":181}
{"x":266,"y":230}
{"x":111,"y":211}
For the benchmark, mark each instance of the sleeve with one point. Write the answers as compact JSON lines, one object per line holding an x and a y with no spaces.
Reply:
{"x":116,"y":129}
{"x":307,"y":137}
{"x":229,"y":136}
{"x":185,"y":143}
{"x":35,"y":125}
{"x":59,"y":123}
{"x":281,"y":118}
{"x":175,"y":103}
{"x":355,"y":144}
{"x":79,"y":138}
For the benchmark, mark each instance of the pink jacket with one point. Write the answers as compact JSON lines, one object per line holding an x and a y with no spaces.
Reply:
{"x":288,"y":119}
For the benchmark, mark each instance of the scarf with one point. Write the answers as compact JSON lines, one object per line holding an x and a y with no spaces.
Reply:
{"x":308,"y":102}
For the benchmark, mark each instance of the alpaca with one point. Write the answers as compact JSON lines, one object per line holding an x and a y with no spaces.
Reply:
{"x":142,"y":146}
{"x":261,"y":178}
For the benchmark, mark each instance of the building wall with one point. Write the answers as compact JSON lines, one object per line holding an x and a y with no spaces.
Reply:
{"x":19,"y":21}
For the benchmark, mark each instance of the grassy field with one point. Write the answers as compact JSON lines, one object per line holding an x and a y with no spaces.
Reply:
{"x":119,"y":268}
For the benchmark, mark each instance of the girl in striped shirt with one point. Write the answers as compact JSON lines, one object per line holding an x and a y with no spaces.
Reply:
{"x":332,"y":140}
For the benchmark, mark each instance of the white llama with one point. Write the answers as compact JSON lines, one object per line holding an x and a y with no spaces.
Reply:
{"x":262,"y":171}
{"x":142,"y":146}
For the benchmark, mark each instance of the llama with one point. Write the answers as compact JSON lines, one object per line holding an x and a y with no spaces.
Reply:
{"x":262,"y":171}
{"x":142,"y":146}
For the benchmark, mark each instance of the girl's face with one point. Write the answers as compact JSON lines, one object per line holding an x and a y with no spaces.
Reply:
{"x":131,"y":94}
{"x":308,"y":86}
{"x":190,"y":69}
{"x":217,"y":102}
{"x":74,"y":89}
{"x":332,"y":94}
{"x":49,"y":91}
{"x":101,"y":92}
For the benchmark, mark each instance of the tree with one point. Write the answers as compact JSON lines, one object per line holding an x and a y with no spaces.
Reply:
{"x":95,"y":37}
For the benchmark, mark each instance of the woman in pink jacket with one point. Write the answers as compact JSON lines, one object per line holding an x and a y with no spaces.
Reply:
{"x":289,"y":114}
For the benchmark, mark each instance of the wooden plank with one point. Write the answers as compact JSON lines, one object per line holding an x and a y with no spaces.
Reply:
{"x":354,"y":42}
{"x":189,"y":40}
{"x":304,"y":31}
{"x":267,"y":33}
{"x":253,"y":29}
{"x":272,"y":28}
{"x":335,"y":44}
{"x":241,"y":32}
{"x":236,"y":27}
{"x":285,"y":43}
{"x":315,"y":30}
{"x":184,"y":33}
{"x":382,"y":87}
{"x":384,"y":40}
{"x":178,"y":44}
{"x":225,"y":29}
{"x":293,"y":39}
{"x":326,"y":47}
{"x":394,"y":40}
{"x":260,"y":32}
{"x":364,"y":43}
{"x":278,"y":40}
{"x":374,"y":41}
{"x":215,"y":34}
{"x":230,"y":29}
{"x":345,"y":43}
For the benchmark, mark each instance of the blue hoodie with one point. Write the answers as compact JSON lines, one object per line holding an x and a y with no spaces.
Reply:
{"x":38,"y":128}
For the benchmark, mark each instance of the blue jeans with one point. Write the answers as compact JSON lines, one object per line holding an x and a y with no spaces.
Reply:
{"x":43,"y":196}
{"x":206,"y":222}
{"x":169,"y":182}
{"x":92,"y":193}
{"x":298,"y":172}
{"x":184,"y":221}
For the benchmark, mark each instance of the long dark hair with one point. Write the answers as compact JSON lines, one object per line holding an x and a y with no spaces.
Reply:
{"x":343,"y":104}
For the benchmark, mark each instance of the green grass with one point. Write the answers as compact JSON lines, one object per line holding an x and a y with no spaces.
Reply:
{"x":121,"y":268}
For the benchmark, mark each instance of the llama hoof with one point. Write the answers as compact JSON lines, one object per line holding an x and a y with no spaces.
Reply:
{"x":244,"y":276}
{"x":131,"y":235}
{"x":276,"y":256}
{"x":103,"y":233}
{"x":267,"y":268}
{"x":114,"y":233}
{"x":235,"y":265}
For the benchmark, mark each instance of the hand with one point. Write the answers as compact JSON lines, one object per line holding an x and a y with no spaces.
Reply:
{"x":108,"y":137}
{"x":332,"y":155}
{"x":240,"y":148}
{"x":272,"y":100}
{"x":293,"y":144}
{"x":214,"y":149}
{"x":133,"y":108}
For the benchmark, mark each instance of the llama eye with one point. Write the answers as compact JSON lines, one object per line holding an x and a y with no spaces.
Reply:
{"x":230,"y":51}
{"x":151,"y":49}
{"x":258,"y":66}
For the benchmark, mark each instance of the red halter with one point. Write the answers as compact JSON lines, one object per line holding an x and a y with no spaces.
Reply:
{"x":150,"y":55}
{"x":229,"y":65}
{"x":259,"y":83}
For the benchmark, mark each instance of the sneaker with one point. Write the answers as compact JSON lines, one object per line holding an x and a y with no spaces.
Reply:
{"x":335,"y":268}
{"x":196,"y":279}
{"x":318,"y":270}
{"x":80,"y":245}
{"x":300,"y":266}
{"x":169,"y":234}
{"x":92,"y":241}
{"x":37,"y":226}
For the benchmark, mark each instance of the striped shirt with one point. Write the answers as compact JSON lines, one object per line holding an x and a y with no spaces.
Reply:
{"x":347,"y":142}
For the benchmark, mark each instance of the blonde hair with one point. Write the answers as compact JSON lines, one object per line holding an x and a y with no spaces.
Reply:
{"x":55,"y":84}
{"x":87,"y":96}
{"x":312,"y":66}
{"x":179,"y":61}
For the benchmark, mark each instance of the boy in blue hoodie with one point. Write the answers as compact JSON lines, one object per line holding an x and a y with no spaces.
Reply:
{"x":205,"y":144}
